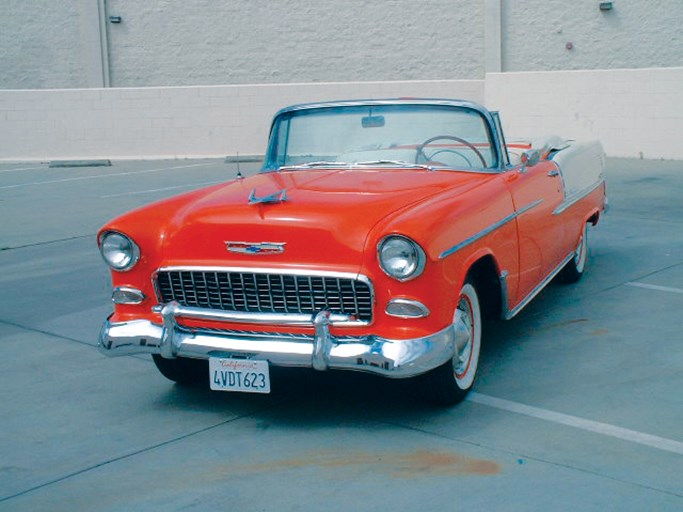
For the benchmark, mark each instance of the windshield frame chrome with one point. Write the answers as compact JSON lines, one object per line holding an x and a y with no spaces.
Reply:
{"x":271,"y":165}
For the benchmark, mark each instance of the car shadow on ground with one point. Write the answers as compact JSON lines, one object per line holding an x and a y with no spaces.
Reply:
{"x":310,"y":398}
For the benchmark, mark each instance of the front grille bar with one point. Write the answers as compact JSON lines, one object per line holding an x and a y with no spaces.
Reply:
{"x":269,"y":292}
{"x":177,"y":310}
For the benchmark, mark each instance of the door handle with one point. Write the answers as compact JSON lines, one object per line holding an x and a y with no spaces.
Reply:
{"x":553,"y":173}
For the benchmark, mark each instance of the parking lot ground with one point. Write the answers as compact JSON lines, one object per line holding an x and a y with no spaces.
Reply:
{"x":578,"y":405}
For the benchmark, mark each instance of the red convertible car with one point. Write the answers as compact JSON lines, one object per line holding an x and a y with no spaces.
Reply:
{"x":379,"y":237}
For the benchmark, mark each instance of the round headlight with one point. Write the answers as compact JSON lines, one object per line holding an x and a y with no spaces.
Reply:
{"x":400,"y":257}
{"x":119,"y":251}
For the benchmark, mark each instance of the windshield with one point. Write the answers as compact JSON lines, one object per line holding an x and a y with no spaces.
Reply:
{"x":433,"y":136}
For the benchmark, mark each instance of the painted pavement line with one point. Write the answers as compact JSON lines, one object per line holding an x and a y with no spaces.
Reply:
{"x":110,"y":175}
{"x":633,"y":436}
{"x":151,"y":190}
{"x":23,"y":169}
{"x":656,"y":287}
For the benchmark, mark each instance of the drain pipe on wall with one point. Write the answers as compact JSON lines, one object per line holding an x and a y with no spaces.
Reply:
{"x":94,"y":29}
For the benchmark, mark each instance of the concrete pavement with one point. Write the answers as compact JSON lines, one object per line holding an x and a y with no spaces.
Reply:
{"x":578,"y":405}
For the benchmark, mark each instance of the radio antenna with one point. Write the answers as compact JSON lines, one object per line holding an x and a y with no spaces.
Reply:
{"x":239,"y":174}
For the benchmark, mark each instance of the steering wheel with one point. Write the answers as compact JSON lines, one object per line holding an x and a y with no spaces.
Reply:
{"x":455,"y":152}
{"x":420,"y":149}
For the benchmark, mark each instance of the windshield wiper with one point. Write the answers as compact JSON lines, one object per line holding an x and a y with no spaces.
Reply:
{"x":400,"y":163}
{"x":327,"y":163}
{"x":311,"y":165}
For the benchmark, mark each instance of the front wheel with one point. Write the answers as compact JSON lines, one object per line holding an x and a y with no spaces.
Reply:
{"x":184,"y":371}
{"x":449,"y":383}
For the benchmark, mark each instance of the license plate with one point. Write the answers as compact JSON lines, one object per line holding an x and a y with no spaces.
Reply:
{"x":245,"y":375}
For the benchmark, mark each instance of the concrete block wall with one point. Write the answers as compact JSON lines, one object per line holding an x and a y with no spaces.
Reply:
{"x":633,"y":112}
{"x":174,"y":122}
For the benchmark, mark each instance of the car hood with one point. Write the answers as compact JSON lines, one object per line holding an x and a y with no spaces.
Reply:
{"x":323,"y":219}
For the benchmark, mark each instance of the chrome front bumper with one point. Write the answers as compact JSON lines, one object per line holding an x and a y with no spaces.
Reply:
{"x":321,"y":351}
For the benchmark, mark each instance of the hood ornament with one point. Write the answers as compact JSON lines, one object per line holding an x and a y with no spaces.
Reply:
{"x":276,"y":197}
{"x":257,"y":248}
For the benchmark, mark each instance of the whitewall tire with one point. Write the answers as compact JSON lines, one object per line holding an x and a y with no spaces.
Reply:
{"x":450,"y":383}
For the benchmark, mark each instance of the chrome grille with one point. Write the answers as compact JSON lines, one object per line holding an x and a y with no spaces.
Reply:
{"x":266,"y":292}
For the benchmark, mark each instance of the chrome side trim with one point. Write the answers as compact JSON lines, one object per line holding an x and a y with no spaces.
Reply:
{"x":576,"y":197}
{"x":507,"y":313}
{"x":489,"y":229}
{"x":300,"y":319}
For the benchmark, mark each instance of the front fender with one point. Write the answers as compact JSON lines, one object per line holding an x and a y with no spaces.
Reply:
{"x":456,"y":231}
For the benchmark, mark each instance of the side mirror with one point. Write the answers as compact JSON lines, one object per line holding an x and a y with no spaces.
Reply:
{"x":530,"y":157}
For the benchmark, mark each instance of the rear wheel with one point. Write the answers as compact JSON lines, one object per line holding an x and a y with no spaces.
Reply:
{"x":449,"y":384}
{"x":184,"y":371}
{"x":574,"y":269}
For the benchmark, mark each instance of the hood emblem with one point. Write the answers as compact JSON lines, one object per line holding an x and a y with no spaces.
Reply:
{"x":277,"y":197}
{"x":258,"y":248}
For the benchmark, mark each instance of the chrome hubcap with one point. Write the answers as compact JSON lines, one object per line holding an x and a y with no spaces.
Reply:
{"x":464,"y":332}
{"x":580,"y":254}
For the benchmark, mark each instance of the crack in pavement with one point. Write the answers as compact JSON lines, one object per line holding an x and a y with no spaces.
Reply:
{"x":47,"y":333}
{"x":47,"y":242}
{"x":129,"y":455}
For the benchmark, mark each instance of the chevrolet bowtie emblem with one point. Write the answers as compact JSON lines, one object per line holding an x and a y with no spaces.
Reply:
{"x":277,"y":197}
{"x":256,"y":248}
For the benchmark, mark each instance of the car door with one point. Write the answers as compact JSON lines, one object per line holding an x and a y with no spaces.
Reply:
{"x":536,"y":191}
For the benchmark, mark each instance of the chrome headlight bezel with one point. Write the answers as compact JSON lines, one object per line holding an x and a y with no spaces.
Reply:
{"x":400,"y":248}
{"x":118,"y":250}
